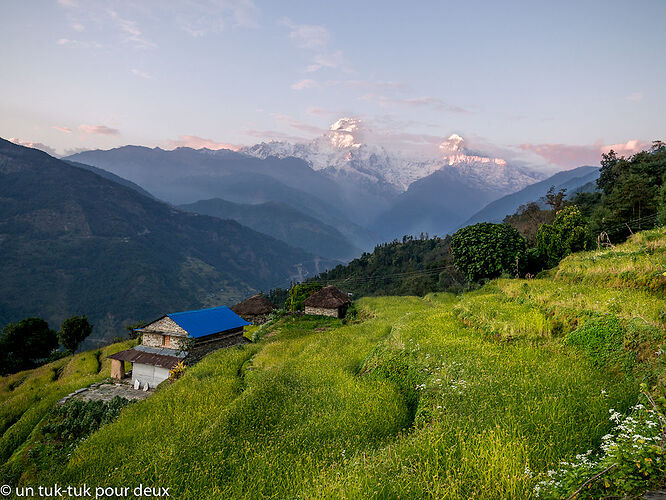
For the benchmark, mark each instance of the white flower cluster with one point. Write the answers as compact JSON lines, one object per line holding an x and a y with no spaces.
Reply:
{"x":641,"y":428}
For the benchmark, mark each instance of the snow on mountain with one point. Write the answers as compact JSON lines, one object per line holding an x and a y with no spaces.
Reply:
{"x":345,"y":154}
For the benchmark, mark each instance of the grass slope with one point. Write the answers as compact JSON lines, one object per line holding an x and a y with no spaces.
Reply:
{"x":434,"y":397}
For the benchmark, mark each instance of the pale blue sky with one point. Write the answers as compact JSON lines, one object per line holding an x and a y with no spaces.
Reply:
{"x":563,"y":79}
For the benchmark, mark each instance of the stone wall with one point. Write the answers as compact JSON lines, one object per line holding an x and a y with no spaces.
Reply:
{"x":152,"y":339}
{"x":165,"y":325}
{"x":155,"y":340}
{"x":320,"y":311}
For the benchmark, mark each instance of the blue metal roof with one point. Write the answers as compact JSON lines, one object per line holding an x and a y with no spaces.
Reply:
{"x":208,"y":321}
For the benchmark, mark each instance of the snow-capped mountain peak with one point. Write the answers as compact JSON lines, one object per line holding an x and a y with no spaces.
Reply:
{"x":343,"y":133}
{"x":343,"y":153}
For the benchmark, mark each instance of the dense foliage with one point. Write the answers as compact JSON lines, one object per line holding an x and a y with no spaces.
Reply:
{"x":631,"y":193}
{"x":298,"y":293}
{"x":75,"y":419}
{"x":411,"y":266}
{"x":73,"y":331}
{"x":564,"y":236}
{"x":488,"y":250}
{"x":25,"y":344}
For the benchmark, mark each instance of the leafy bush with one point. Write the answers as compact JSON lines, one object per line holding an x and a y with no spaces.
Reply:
{"x":177,"y":371}
{"x":602,"y":337}
{"x":487,"y":250}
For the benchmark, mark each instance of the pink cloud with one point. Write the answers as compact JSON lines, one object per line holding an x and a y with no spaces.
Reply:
{"x":98,"y":130}
{"x":299,"y":125}
{"x":304,"y":84}
{"x":306,"y":35}
{"x":434,"y":103}
{"x":66,"y":130}
{"x":571,"y":155}
{"x":196,"y":142}
{"x":34,"y":145}
{"x":273,"y":135}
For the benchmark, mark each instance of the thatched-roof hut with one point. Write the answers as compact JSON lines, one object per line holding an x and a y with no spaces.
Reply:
{"x":329,"y":301}
{"x":254,"y":309}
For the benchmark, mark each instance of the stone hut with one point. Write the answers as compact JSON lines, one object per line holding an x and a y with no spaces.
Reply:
{"x":329,"y":301}
{"x":175,"y":337}
{"x":254,"y":309}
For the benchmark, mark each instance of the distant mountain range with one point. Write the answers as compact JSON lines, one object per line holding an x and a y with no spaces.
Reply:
{"x":579,"y":179}
{"x":74,"y":242}
{"x":364,"y":192}
{"x":185,"y":175}
{"x":282,"y":222}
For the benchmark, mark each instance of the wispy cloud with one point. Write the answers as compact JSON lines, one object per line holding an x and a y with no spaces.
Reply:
{"x":386,"y":86}
{"x":635,"y":96}
{"x":573,"y":155}
{"x":131,"y":32}
{"x":433,"y":103}
{"x":196,"y":142}
{"x":141,"y":74}
{"x":299,"y":125}
{"x":198,"y":18}
{"x":306,"y":83}
{"x":66,"y":130}
{"x":318,"y":111}
{"x":35,"y":145}
{"x":98,"y":130}
{"x":79,"y":44}
{"x":335,"y":60}
{"x":308,"y":36}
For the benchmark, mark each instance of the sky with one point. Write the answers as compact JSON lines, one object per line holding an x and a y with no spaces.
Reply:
{"x":549,"y":83}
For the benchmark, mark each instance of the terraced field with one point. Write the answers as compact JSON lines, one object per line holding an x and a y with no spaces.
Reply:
{"x":434,"y":397}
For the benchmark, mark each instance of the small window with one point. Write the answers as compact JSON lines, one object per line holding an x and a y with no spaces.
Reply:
{"x":166,"y":340}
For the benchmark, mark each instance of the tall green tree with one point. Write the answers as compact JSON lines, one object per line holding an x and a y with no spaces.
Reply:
{"x":487,"y":250}
{"x":565,"y":235}
{"x":73,"y":331}
{"x":25,"y":344}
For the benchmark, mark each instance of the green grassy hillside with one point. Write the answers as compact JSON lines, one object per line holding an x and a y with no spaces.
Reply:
{"x":475,"y":396}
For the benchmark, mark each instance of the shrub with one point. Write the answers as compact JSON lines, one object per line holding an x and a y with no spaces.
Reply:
{"x":76,"y":419}
{"x":602,"y":338}
{"x":177,"y":371}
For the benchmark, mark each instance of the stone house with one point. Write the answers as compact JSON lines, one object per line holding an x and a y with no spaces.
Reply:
{"x":183,"y":336}
{"x":255,"y":309}
{"x":329,"y":301}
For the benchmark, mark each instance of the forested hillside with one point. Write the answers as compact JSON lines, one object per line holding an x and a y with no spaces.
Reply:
{"x":412,"y":266}
{"x":72,"y":242}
